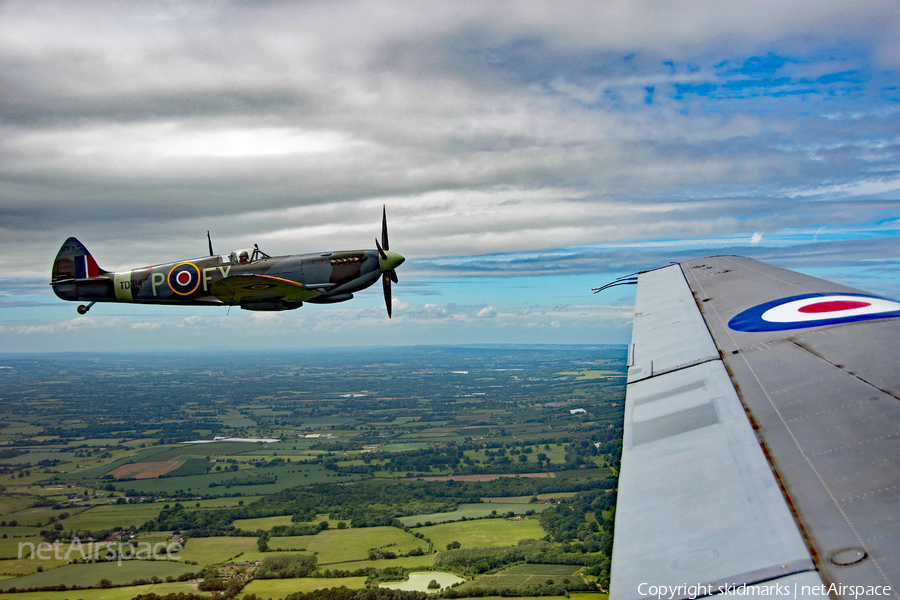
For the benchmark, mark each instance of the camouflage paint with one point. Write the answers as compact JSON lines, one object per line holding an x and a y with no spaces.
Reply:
{"x":267,"y":283}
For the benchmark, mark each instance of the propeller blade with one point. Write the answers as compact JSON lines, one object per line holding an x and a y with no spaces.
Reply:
{"x":380,"y":250}
{"x":386,"y":283}
{"x":393,"y":273}
{"x":384,"y":235}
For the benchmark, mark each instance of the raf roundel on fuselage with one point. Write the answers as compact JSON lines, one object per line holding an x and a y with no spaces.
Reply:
{"x":184,"y":278}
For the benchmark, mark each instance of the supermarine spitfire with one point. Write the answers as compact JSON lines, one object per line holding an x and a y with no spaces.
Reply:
{"x":248,"y":278}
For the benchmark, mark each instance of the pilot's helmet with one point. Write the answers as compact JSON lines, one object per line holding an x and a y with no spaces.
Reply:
{"x":244,"y":256}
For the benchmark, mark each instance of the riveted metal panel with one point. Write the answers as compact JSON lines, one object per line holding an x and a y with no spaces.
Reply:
{"x":825,"y":402}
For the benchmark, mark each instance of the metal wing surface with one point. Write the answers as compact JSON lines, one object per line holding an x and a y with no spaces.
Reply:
{"x":761,"y":443}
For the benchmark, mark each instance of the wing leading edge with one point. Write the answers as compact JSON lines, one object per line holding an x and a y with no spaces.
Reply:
{"x":699,"y":511}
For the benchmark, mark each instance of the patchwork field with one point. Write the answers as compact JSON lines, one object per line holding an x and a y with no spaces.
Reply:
{"x":419,"y":582}
{"x":145,"y":470}
{"x":111,"y":515}
{"x":484,"y":477}
{"x":209,"y":551}
{"x":253,"y":480}
{"x":13,"y":547}
{"x":344,"y":545}
{"x":406,"y":562}
{"x":279,"y":588}
{"x":523,"y":576}
{"x":115,"y":593}
{"x":483,"y":532}
{"x":263,"y":523}
{"x":474,"y":511}
{"x":369,"y":442}
{"x":91,"y":574}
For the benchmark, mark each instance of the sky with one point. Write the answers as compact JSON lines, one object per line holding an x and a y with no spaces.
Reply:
{"x":525,"y":152}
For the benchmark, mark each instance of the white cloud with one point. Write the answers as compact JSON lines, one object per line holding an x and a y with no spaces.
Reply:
{"x":487,"y":312}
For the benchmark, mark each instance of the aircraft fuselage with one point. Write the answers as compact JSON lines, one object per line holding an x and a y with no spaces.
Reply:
{"x":247,"y":278}
{"x":325,"y":277}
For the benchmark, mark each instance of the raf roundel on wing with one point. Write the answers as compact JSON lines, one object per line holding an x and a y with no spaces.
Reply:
{"x":812,"y":310}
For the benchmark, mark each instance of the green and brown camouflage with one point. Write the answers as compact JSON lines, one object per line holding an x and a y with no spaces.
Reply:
{"x":247,"y":278}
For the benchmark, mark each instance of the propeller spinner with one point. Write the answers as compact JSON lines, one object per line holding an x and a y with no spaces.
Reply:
{"x":387,"y":261}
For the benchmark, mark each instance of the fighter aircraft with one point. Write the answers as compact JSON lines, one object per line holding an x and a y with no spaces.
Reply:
{"x":248,"y":278}
{"x":760,"y":452}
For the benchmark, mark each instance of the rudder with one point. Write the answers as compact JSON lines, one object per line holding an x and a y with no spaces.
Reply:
{"x":73,"y":261}
{"x":76,"y":275}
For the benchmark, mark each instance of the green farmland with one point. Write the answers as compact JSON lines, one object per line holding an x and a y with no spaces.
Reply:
{"x":466,"y":461}
{"x":473,"y":511}
{"x":484,"y":532}
{"x":279,"y":588}
{"x":521,"y":577}
{"x":88,"y":575}
{"x":336,"y":546}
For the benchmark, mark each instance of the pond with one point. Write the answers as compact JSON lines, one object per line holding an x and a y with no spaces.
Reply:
{"x":418,"y":582}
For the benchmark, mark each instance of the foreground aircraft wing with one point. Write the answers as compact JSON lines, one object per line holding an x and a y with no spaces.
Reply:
{"x":761,"y":451}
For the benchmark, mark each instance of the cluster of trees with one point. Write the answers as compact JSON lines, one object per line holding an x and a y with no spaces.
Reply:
{"x":500,"y":457}
{"x":568,"y":523}
{"x":474,"y":561}
{"x":342,"y":593}
{"x":262,"y":543}
{"x":285,"y":566}
{"x":239,"y":481}
{"x":228,"y":592}
{"x":572,"y":538}
{"x":196,"y":523}
{"x":548,"y":588}
{"x":307,"y":529}
{"x":364,"y":504}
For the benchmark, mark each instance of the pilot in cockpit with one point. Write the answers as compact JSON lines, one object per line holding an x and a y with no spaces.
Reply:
{"x":241,"y":257}
{"x":247,"y":255}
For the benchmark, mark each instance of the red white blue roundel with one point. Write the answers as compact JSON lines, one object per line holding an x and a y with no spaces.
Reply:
{"x":184,"y":278}
{"x":812,"y":310}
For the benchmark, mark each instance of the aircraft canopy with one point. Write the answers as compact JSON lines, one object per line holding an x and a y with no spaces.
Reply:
{"x":246,"y":256}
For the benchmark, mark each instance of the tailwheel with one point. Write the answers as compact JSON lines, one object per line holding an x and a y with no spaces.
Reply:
{"x":83,"y":308}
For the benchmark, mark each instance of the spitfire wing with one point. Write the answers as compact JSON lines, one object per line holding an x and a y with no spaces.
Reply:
{"x":242,"y":289}
{"x":761,"y":443}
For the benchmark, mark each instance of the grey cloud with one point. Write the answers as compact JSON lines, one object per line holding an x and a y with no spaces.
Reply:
{"x":488,"y":128}
{"x":857,"y":254}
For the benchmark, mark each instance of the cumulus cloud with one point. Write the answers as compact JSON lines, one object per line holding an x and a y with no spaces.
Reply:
{"x":487,"y":312}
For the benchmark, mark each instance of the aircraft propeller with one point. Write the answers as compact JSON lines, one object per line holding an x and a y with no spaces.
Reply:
{"x":387,"y":261}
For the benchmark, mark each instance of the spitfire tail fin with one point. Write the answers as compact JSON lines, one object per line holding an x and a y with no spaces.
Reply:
{"x":76,"y":276}
{"x":74,"y":262}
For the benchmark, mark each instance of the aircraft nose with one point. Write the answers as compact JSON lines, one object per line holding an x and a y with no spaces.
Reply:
{"x":391,"y":261}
